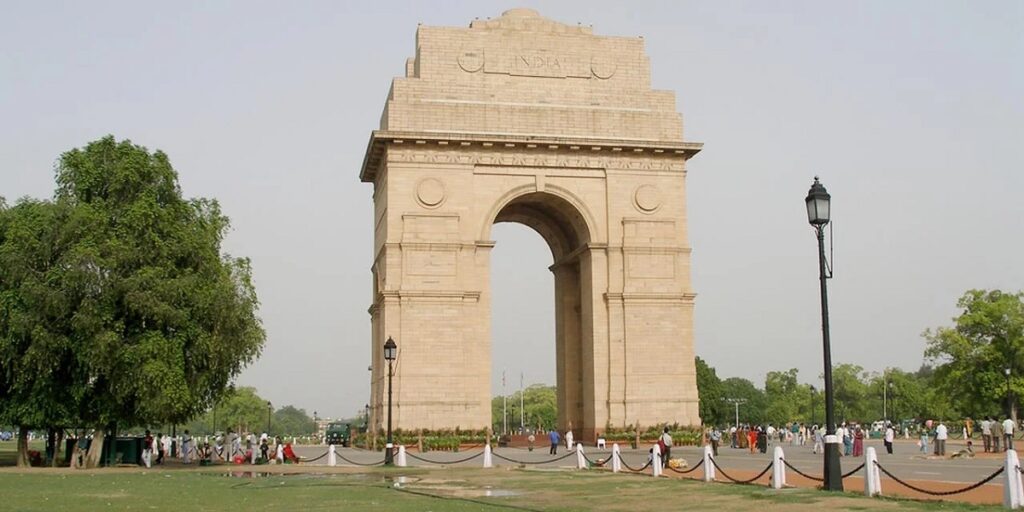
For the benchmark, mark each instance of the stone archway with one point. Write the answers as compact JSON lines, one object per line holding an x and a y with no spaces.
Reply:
{"x":524,"y":119}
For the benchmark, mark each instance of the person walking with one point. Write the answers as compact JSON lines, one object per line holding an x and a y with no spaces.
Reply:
{"x":858,"y":442}
{"x":941,"y":434}
{"x":716,"y":437}
{"x":923,"y":443}
{"x":997,"y":434}
{"x":986,"y":433}
{"x":666,"y":440}
{"x":555,"y":439}
{"x":147,"y":449}
{"x":890,"y":436}
{"x":819,"y":440}
{"x":848,"y":440}
{"x":186,"y":448}
{"x":1008,"y":428}
{"x":159,"y":443}
{"x":569,"y":439}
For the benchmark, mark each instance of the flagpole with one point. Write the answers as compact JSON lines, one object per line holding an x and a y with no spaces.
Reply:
{"x":522,"y":415}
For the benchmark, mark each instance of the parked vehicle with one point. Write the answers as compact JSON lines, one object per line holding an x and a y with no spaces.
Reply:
{"x":338,"y":433}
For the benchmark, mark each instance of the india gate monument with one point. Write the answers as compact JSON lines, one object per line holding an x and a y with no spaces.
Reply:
{"x":524,"y":119}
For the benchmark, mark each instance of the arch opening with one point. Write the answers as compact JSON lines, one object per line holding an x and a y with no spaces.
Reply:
{"x":565,"y":231}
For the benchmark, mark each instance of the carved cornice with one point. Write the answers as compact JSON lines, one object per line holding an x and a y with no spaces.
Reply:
{"x":524,"y":151}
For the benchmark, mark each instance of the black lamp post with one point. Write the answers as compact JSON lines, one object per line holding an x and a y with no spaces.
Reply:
{"x":818,"y":210}
{"x":390,"y":353}
{"x":813,"y":419}
{"x":366,"y":418}
{"x":1009,"y":400}
{"x":270,"y":409}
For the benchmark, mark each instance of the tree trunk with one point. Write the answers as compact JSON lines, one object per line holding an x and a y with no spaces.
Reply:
{"x":92,"y":458}
{"x":58,"y":449}
{"x":23,"y":461}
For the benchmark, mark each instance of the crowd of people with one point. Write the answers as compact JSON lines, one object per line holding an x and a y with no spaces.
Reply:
{"x":226,"y":447}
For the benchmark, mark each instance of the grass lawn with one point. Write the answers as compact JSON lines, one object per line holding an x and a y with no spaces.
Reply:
{"x":470,"y":489}
{"x":9,"y":450}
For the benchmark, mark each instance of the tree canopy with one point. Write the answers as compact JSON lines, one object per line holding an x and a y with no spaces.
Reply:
{"x":117,"y":304}
{"x":973,"y":356}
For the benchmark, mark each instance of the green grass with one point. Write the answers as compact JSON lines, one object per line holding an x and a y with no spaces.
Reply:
{"x":423,"y":489}
{"x":9,"y":450}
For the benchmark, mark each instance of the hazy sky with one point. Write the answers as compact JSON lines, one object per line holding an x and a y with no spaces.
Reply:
{"x":911,"y":112}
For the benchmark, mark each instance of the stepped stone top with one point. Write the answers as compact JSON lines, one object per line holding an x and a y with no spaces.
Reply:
{"x":524,"y":76}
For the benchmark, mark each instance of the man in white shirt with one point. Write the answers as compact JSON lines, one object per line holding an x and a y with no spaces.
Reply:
{"x":986,"y":433}
{"x":840,"y":434}
{"x":941,"y":434}
{"x":890,"y":435}
{"x":1008,"y":428}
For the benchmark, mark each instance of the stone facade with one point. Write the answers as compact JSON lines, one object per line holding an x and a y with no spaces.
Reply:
{"x":524,"y":119}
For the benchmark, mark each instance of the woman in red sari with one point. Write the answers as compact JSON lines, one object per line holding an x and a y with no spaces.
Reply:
{"x":752,"y":439}
{"x":858,"y":442}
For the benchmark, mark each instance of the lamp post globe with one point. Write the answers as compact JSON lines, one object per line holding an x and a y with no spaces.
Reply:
{"x":270,"y":409}
{"x":390,"y":354}
{"x":818,"y":203}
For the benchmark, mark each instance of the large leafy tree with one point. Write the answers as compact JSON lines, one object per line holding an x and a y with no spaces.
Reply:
{"x":540,"y":408}
{"x":972,"y":356}
{"x":154,"y":319}
{"x":38,"y":367}
{"x":753,"y":409}
{"x":709,"y":389}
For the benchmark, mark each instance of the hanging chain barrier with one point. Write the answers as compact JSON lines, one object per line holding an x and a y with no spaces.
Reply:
{"x":726,"y":475}
{"x":940,"y":493}
{"x":342,"y":457}
{"x":635,"y":470}
{"x":444,"y":462}
{"x":685,"y":471}
{"x":525,"y":462}
{"x":314,"y":459}
{"x":853,"y":471}
{"x":801,"y":473}
{"x":599,"y":463}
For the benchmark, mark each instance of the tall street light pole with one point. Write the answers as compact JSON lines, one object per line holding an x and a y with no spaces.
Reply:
{"x":1009,"y":400}
{"x":818,"y":203}
{"x":737,"y":402}
{"x":390,"y":353}
{"x":270,"y":409}
{"x":813,"y":420}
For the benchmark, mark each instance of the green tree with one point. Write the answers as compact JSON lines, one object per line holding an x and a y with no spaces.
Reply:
{"x":239,"y":409}
{"x":540,"y":406}
{"x":850,"y":391}
{"x":292,"y":421}
{"x":156,"y":320}
{"x":753,"y":410}
{"x":971,"y":357}
{"x":788,"y":400}
{"x":38,"y":367}
{"x":709,"y":388}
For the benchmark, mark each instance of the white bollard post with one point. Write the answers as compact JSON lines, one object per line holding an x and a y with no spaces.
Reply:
{"x":1013,"y":491}
{"x":581,"y":461}
{"x":709,"y":467}
{"x":872,"y":479}
{"x":400,"y":460}
{"x":488,"y":460}
{"x":616,"y":458}
{"x":778,"y":468}
{"x":655,"y":461}
{"x":332,"y":457}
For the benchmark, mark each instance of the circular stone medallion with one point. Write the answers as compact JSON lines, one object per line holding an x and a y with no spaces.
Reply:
{"x":471,"y":61}
{"x":430,"y":192}
{"x":647,"y":198}
{"x":602,"y":66}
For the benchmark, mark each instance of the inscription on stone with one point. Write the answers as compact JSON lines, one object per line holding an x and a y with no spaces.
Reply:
{"x":537,"y":62}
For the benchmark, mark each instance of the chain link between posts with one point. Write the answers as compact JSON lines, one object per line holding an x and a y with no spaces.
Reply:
{"x":459,"y":461}
{"x":685,"y":471}
{"x":524,"y":462}
{"x":726,"y":475}
{"x":940,"y":493}
{"x":342,"y":457}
